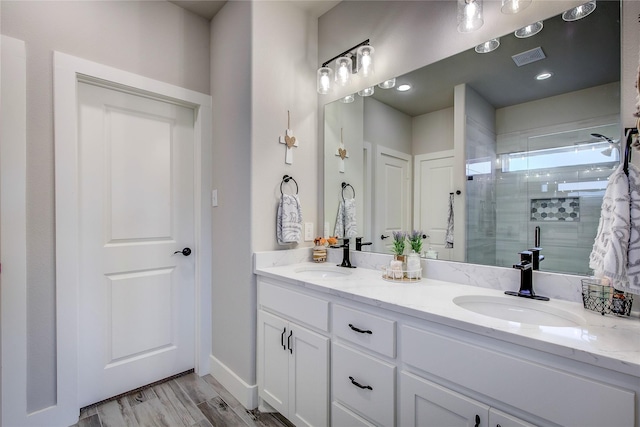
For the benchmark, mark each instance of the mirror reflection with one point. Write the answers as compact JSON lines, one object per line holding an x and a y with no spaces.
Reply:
{"x":535,"y":154}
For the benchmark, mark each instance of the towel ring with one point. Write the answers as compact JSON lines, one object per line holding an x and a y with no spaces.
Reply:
{"x":345,"y":185}
{"x":287,"y":178}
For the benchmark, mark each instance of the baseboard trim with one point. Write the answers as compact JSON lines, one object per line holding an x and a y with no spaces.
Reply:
{"x":246,"y":394}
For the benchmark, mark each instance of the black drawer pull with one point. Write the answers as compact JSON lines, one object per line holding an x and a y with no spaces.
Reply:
{"x":282,"y":338}
{"x":357,"y":384}
{"x":289,"y":342}
{"x":362,"y":331}
{"x":477,"y":421}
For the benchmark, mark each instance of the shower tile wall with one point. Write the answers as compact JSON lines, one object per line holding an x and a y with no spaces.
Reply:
{"x":481,"y":197}
{"x":566,"y":245}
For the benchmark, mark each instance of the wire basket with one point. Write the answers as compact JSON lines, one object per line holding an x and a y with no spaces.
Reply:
{"x":605,"y":299}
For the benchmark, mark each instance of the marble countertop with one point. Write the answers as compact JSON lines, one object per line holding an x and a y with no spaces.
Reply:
{"x":606,"y":341}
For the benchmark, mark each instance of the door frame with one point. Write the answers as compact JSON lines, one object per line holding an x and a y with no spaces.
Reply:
{"x":68,"y":71}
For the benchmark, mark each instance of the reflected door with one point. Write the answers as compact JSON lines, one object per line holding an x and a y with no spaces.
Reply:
{"x":434,"y":182}
{"x":392,"y":196}
{"x":136,"y":209}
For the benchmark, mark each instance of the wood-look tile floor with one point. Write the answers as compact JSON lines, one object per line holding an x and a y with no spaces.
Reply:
{"x":185,"y":401}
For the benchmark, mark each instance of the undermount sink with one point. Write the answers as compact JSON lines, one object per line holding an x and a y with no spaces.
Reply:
{"x":519,"y":310}
{"x":323,"y":272}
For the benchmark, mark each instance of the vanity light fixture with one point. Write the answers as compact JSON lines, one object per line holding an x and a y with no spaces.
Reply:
{"x":514,"y":6}
{"x":488,"y":46}
{"x":529,"y":30}
{"x":368,"y":91}
{"x":351,"y":61}
{"x":403,"y":87}
{"x":469,"y":15}
{"x":324,"y":78}
{"x":544,"y":75}
{"x":387,"y":84}
{"x":579,"y":12}
{"x":343,"y":69}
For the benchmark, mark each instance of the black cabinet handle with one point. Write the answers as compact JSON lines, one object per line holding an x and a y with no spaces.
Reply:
{"x":382,"y":236}
{"x":362,"y":331}
{"x":289,"y":342}
{"x":477,"y":421}
{"x":357,"y":384}
{"x":284,"y":331}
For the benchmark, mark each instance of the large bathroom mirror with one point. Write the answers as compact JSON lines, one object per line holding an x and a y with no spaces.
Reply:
{"x":537,"y":153}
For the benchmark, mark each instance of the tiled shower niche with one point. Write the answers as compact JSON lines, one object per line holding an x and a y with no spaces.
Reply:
{"x":556,"y":209}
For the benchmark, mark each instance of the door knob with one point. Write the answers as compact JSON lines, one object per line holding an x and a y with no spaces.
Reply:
{"x":382,"y":236}
{"x":185,"y":252}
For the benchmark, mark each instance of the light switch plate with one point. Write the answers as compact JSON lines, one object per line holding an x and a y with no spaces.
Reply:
{"x":308,"y":231}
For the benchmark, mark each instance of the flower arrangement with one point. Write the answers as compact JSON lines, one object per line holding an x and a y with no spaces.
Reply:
{"x":399,"y":238}
{"x":415,"y":240}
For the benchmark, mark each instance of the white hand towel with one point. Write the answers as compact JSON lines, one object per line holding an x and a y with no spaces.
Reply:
{"x":448,"y":238}
{"x":338,"y":230}
{"x":346,"y":225}
{"x":289,"y":219}
{"x":610,"y":254}
{"x":633,"y":270}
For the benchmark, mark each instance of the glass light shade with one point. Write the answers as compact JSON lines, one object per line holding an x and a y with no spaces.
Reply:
{"x":365,"y":60}
{"x":529,"y":30}
{"x":387,"y":84}
{"x":404,"y":87}
{"x":488,"y":46}
{"x":324,"y":78}
{"x":348,"y":99}
{"x":343,"y":70}
{"x":368,"y":91}
{"x":579,"y":12}
{"x":469,"y":15}
{"x":514,"y":6}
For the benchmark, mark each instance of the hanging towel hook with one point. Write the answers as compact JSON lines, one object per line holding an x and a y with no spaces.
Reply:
{"x":286,"y":178}
{"x":345,"y":185}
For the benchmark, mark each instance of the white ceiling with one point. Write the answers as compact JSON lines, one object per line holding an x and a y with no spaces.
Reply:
{"x":208,"y":8}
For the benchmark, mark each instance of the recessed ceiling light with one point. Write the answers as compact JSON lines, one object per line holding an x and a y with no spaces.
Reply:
{"x":489,"y":46}
{"x":529,"y":30}
{"x":404,"y":87}
{"x":544,"y":75}
{"x":388,"y":84}
{"x":580,"y":11}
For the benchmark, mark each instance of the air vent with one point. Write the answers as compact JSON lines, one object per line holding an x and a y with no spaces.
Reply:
{"x":528,"y":57}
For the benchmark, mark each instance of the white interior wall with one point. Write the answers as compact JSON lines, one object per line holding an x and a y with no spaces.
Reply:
{"x":432,"y":132}
{"x":233,"y":297}
{"x":154,"y":39}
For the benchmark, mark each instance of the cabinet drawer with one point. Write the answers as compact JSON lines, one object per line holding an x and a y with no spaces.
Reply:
{"x":342,"y":417}
{"x":538,"y":389}
{"x":351,"y":366}
{"x":369,"y":331}
{"x":294,"y":305}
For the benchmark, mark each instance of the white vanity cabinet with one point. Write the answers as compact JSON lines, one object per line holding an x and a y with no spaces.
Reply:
{"x":425,"y":403}
{"x":293,"y":360}
{"x":363,"y":372}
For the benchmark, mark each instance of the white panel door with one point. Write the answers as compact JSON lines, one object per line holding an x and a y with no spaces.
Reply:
{"x":434,"y":182}
{"x":137,"y":297}
{"x":392,"y":196}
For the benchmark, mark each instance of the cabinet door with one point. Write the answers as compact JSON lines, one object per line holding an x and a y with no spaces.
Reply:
{"x":425,"y":404}
{"x":308,"y":377}
{"x":500,"y":419}
{"x":273,"y":361}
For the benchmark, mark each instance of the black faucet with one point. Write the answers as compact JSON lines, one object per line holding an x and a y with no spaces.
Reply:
{"x":526,"y":266}
{"x":345,"y":254}
{"x":536,"y":257}
{"x":359,"y":243}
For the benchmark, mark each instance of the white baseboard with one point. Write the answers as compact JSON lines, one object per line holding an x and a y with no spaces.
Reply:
{"x":246,"y":394}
